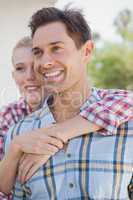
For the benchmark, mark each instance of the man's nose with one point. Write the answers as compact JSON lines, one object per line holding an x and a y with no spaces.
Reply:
{"x":45,"y":63}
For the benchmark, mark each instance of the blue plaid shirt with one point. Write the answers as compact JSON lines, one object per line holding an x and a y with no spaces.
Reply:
{"x":93,"y":167}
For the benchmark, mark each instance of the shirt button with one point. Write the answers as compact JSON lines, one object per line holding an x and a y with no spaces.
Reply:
{"x":130,"y":190}
{"x":131,"y":187}
{"x":69,"y":155}
{"x":71,"y":185}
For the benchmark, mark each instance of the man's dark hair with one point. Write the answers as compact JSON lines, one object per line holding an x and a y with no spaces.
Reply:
{"x":76,"y":26}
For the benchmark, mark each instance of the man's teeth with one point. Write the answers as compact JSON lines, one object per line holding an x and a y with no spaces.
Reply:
{"x":51,"y":74}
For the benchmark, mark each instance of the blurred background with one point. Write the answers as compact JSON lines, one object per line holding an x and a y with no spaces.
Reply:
{"x":111,"y":22}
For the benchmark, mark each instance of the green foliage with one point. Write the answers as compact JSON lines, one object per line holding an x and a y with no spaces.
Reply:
{"x":112,"y":63}
{"x":124,"y":24}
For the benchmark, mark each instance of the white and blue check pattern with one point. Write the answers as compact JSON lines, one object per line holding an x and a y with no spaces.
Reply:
{"x":93,"y":167}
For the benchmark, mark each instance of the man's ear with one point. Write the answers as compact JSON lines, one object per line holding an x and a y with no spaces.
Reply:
{"x":87,"y":50}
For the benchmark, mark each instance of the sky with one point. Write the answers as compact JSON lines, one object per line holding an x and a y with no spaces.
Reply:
{"x":100,"y":14}
{"x":14,"y":19}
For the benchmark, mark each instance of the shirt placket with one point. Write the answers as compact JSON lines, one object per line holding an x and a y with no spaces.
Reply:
{"x":70,"y":176}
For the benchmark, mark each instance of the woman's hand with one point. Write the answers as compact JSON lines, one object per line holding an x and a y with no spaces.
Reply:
{"x":36,"y":142}
{"x":29,"y":164}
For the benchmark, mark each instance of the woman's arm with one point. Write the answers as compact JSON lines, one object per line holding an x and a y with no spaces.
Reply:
{"x":73,"y":128}
{"x":8,"y":170}
{"x":32,"y":142}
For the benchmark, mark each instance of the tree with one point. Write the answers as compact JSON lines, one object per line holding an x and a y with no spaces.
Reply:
{"x":112,"y":63}
{"x":124,"y":24}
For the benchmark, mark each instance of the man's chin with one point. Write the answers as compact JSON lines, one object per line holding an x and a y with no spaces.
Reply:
{"x":55,"y":88}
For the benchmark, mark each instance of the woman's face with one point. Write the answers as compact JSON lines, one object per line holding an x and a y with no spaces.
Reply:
{"x":24,"y":76}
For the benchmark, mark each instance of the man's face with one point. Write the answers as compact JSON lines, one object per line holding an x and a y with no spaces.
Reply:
{"x":57,"y":58}
{"x":24,"y":76}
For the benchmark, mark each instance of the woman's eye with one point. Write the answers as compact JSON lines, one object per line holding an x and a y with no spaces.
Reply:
{"x":20,"y":69}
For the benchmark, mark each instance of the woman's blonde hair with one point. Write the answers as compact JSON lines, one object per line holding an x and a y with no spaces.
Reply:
{"x":23,"y":42}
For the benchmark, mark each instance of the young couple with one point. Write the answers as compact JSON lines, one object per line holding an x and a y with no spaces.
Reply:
{"x":64,"y":139}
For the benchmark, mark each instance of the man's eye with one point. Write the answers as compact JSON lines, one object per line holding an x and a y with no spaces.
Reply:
{"x":56,"y":49}
{"x":37,"y":53}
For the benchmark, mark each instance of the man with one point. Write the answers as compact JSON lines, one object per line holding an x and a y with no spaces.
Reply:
{"x":62,"y":47}
{"x":23,"y":74}
{"x":30,"y":89}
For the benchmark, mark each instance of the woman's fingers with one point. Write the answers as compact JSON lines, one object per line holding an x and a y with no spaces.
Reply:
{"x":24,"y":165}
{"x":40,"y":143}
{"x":35,"y":167}
{"x":29,"y":164}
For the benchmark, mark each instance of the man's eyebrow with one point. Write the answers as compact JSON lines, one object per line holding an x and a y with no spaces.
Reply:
{"x":57,"y":42}
{"x":50,"y":44}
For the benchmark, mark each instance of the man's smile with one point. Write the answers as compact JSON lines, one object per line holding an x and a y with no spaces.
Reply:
{"x":53,"y":75}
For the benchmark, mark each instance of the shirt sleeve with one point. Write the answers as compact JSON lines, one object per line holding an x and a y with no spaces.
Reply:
{"x":9,"y":115}
{"x":108,"y":109}
{"x":18,"y":194}
{"x":5,"y":197}
{"x":5,"y":124}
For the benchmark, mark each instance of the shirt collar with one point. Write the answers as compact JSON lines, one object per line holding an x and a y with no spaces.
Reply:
{"x":43,"y":111}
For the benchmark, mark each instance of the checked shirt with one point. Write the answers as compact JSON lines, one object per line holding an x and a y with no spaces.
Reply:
{"x":93,"y":166}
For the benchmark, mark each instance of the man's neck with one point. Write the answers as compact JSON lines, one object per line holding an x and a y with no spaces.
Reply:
{"x":67,"y":104}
